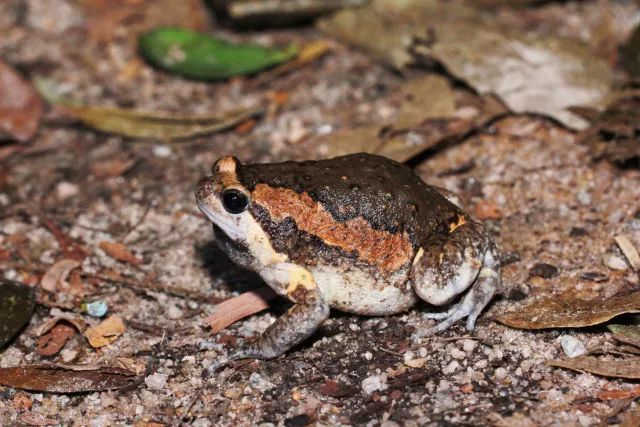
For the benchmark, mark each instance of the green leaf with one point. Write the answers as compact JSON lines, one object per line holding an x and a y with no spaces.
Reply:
{"x":201,"y":56}
{"x":17,"y":302}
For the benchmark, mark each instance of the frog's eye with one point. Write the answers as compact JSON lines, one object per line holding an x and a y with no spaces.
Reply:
{"x":234,"y":201}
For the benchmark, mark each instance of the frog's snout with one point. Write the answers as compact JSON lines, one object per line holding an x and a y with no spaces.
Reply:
{"x":205,"y":188}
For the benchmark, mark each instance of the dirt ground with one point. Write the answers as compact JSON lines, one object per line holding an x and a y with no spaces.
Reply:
{"x":552,"y":203}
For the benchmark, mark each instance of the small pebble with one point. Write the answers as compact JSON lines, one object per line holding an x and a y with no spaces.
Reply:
{"x":156,"y":381}
{"x":544,"y":270}
{"x":68,"y":355}
{"x":500,"y":373}
{"x":469,"y":345}
{"x":96,"y":308}
{"x":66,"y":190}
{"x":173,"y":312}
{"x":367,"y":355}
{"x":594,"y":276}
{"x":572,"y":346}
{"x":614,"y":262}
{"x":408,"y":355}
{"x":456,"y":353}
{"x":584,"y":197}
{"x":161,"y":151}
{"x":451,"y":367}
{"x":258,"y":381}
{"x":374,"y":383}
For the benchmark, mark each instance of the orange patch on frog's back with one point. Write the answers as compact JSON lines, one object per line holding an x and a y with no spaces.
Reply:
{"x":386,"y":250}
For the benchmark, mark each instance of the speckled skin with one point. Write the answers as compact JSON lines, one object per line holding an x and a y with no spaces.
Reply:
{"x":360,"y":233}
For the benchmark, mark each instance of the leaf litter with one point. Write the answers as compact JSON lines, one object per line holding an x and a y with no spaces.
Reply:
{"x":20,"y":106}
{"x":105,"y":332}
{"x":628,"y":368}
{"x":531,"y":72}
{"x":566,"y":311}
{"x":67,"y":378}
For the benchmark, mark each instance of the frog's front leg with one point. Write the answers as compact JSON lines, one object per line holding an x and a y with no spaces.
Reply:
{"x":464,"y":259}
{"x":308,"y":312}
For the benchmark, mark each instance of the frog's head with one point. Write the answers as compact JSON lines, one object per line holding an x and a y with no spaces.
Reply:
{"x":224,"y":200}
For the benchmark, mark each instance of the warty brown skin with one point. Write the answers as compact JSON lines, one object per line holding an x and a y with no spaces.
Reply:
{"x":359,"y":233}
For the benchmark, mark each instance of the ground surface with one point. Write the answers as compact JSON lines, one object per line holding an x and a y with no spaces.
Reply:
{"x":556,"y":205}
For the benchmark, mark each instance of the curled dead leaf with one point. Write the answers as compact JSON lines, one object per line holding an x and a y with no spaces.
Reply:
{"x":105,"y":332}
{"x":566,"y":311}
{"x":20,"y":106}
{"x":52,"y":342}
{"x":74,"y":320}
{"x":56,"y":277}
{"x":617,"y":368}
{"x":120,"y":252}
{"x":236,"y":308}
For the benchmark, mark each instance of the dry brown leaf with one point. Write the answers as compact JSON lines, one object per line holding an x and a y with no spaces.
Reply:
{"x":66,"y":378}
{"x":566,"y":311}
{"x":70,"y":248}
{"x":56,"y":277}
{"x":111,"y":168}
{"x":20,"y":106}
{"x":105,"y":332}
{"x":120,"y":252}
{"x":46,"y":326}
{"x":607,"y":394}
{"x":617,"y":368}
{"x":156,"y":125}
{"x":37,"y":419}
{"x":236,"y":308}
{"x":52,"y":342}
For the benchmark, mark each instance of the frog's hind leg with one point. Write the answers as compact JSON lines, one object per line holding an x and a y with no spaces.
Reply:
{"x":310,"y":309}
{"x":465,"y":259}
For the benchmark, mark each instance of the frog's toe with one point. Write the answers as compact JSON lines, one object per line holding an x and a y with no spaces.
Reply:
{"x":472,"y":304}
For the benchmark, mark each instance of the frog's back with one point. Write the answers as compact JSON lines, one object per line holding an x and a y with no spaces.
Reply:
{"x":386,"y":194}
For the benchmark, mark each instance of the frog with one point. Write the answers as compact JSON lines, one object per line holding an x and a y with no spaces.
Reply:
{"x":359,"y":233}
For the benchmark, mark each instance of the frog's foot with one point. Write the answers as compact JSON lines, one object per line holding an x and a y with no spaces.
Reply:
{"x":293,"y":327}
{"x":470,"y":307}
{"x":466,"y":260}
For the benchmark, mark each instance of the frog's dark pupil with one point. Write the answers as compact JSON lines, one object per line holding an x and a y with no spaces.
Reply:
{"x":234,"y":201}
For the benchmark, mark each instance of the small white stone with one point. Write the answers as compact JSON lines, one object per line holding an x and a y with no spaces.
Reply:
{"x":422,"y":352}
{"x":572,"y":346}
{"x":409,"y":355}
{"x":173,"y":312}
{"x":614,"y":262}
{"x":451,"y":367}
{"x":258,"y":381}
{"x":456,"y":353}
{"x":374,"y":383}
{"x":354,"y":327}
{"x":367,"y":355}
{"x":469,"y":345}
{"x":481,"y":364}
{"x":161,"y":150}
{"x":500,"y":373}
{"x":66,"y":190}
{"x":68,"y":355}
{"x":156,"y":381}
{"x":584,"y":197}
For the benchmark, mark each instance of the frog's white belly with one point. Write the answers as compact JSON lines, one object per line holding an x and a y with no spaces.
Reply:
{"x":358,"y":292}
